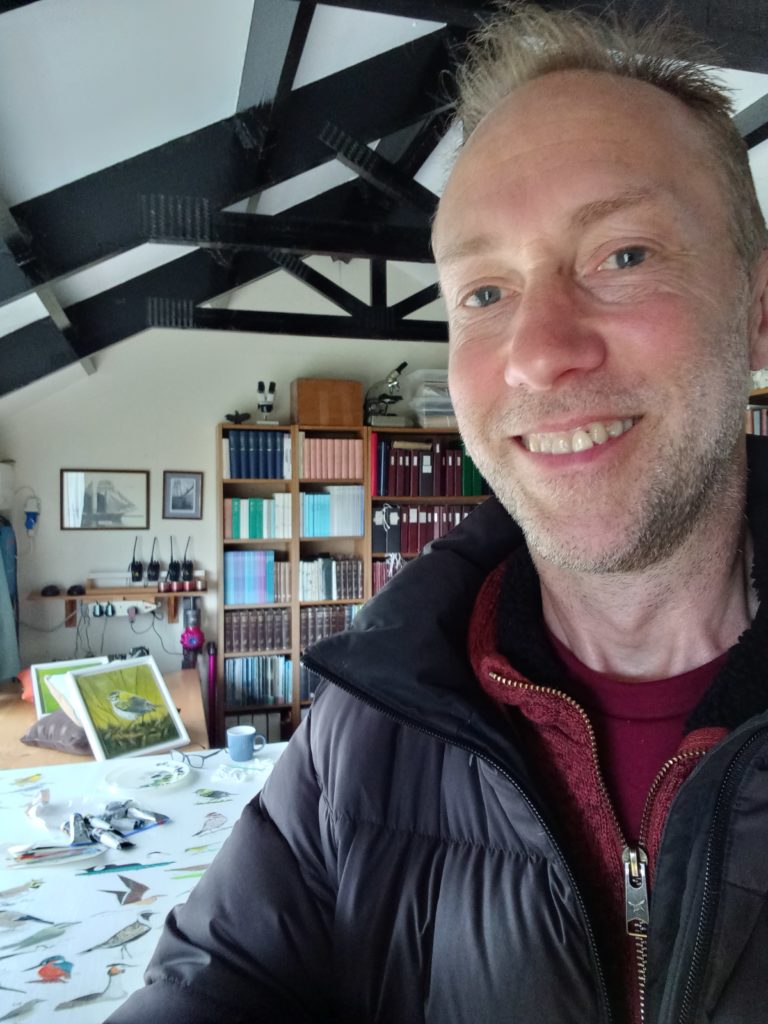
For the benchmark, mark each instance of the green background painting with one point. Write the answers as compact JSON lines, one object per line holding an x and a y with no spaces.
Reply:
{"x":117,"y":735}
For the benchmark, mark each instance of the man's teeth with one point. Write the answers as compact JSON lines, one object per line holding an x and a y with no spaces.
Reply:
{"x":564,"y":442}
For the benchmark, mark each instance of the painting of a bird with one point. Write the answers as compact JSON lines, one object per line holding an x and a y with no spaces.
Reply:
{"x":129,"y":706}
{"x":38,"y":938}
{"x":18,"y":890}
{"x":13,"y":919}
{"x":130,"y":933}
{"x":20,"y":1012}
{"x":112,"y":990}
{"x":212,"y":796}
{"x":214,"y":820}
{"x":52,"y":969}
{"x":133,"y":894}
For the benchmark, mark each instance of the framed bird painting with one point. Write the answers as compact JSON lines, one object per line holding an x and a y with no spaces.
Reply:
{"x":125,"y":708}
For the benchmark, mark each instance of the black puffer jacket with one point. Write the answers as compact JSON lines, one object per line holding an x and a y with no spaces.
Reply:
{"x":400,"y":866}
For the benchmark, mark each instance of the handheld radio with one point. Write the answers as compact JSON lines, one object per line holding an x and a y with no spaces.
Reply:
{"x":174,"y":568}
{"x":153,"y":566}
{"x":136,"y":567}
{"x":187,"y":568}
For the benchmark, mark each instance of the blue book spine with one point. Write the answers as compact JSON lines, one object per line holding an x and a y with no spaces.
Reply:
{"x":279,"y":448}
{"x":260,"y":466}
{"x":251,"y":442}
{"x":269,"y":454}
{"x":234,"y":455}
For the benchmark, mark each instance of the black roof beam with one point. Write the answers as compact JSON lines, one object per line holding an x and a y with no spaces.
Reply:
{"x":376,"y":324}
{"x":752,"y":122}
{"x":376,"y":170}
{"x":453,"y":12}
{"x":271,"y":54}
{"x":288,"y":234}
{"x":416,"y":301}
{"x":318,"y":282}
{"x":32,"y":352}
{"x":99,"y":215}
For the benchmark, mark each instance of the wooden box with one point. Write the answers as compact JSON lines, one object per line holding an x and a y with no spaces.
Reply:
{"x":319,"y":402}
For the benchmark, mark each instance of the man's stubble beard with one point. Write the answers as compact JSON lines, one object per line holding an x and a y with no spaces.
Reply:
{"x":683,"y":481}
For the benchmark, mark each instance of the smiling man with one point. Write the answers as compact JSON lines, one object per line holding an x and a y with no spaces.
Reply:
{"x":533,"y":786}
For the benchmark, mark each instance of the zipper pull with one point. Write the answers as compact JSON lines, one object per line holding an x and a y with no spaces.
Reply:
{"x":636,"y":909}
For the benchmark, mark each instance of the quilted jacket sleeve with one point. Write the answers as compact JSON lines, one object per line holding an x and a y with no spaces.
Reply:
{"x":253,"y":940}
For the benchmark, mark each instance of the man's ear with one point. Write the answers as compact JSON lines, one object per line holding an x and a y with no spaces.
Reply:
{"x":758,"y":323}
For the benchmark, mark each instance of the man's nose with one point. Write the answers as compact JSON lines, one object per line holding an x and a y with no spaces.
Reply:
{"x":552,"y":333}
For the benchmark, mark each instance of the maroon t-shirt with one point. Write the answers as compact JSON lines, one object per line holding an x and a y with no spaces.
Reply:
{"x":638,"y":726}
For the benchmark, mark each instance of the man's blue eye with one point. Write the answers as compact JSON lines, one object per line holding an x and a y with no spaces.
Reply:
{"x":484,"y":296}
{"x":627,"y":258}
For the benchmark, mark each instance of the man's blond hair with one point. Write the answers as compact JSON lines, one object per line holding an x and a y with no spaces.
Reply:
{"x":523,"y":42}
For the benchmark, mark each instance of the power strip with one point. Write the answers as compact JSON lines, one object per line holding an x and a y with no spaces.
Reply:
{"x":124,"y":607}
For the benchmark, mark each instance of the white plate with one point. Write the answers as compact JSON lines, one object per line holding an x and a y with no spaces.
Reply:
{"x":147,"y":775}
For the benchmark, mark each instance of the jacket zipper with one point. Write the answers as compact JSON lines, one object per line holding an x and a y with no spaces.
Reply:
{"x":496,"y":766}
{"x":634,"y":858}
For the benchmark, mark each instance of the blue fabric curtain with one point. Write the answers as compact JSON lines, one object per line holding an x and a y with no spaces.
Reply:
{"x":9,"y":603}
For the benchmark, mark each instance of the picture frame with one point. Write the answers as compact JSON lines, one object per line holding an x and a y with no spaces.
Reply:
{"x":182,"y":494}
{"x":46,"y":701}
{"x":104,"y":499}
{"x":125,"y":708}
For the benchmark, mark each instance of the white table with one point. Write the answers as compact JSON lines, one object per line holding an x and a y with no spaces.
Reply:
{"x":88,"y":901}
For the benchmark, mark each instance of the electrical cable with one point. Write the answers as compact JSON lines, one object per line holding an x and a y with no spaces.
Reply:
{"x":173,"y":654}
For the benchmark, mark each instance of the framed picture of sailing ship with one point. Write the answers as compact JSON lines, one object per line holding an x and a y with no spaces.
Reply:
{"x":104,"y":499}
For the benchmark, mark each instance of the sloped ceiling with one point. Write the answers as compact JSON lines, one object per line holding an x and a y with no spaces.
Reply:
{"x":159,"y":156}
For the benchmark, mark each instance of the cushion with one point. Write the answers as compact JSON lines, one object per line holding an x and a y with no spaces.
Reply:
{"x":57,"y":731}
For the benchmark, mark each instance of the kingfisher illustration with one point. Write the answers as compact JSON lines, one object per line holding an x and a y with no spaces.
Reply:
{"x":112,"y":990}
{"x":19,"y":1012}
{"x":53,"y":931}
{"x":108,"y":869}
{"x":214,"y":820}
{"x":129,"y":706}
{"x":52,"y":969}
{"x":130,"y":933}
{"x":133,"y":894}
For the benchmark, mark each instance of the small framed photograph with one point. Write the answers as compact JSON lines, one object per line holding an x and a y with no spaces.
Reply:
{"x":182,"y":494}
{"x":104,"y":499}
{"x":125,"y":708}
{"x":42,"y":675}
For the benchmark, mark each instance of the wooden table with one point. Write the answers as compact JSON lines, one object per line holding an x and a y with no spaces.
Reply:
{"x":17,"y":715}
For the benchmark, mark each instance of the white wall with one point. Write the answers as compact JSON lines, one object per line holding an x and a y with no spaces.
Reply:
{"x":153,"y":404}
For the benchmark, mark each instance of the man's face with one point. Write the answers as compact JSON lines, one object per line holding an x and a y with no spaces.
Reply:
{"x":599,"y":318}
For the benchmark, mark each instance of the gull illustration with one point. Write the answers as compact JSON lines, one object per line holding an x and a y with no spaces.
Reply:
{"x":134,"y":894}
{"x":52,"y":969}
{"x":129,"y":933}
{"x":18,"y":890}
{"x":53,"y":931}
{"x":13,"y":919}
{"x":129,"y":706}
{"x":19,"y":1012}
{"x":112,"y":990}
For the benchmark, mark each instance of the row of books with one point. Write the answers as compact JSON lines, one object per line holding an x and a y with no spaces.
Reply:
{"x":384,"y":569}
{"x":256,"y":455}
{"x":267,"y":723}
{"x":257,"y":629}
{"x":263,"y":679}
{"x":330,"y":458}
{"x":423,"y":469}
{"x":256,"y":518}
{"x":405,"y":529}
{"x":336,"y":511}
{"x":756,"y":421}
{"x":330,"y":579}
{"x":318,"y":621}
{"x":255,"y":577}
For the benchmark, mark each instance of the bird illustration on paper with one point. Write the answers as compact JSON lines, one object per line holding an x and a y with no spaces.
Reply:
{"x":130,"y":933}
{"x":13,"y":919}
{"x":52,"y":969}
{"x":211,"y":796}
{"x":112,"y":990}
{"x":201,"y":848}
{"x":18,"y":890}
{"x":213,"y":820}
{"x":108,"y":869}
{"x":53,"y":931}
{"x":133,"y":894}
{"x":27,"y":780}
{"x":129,"y":706}
{"x":20,"y":1012}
